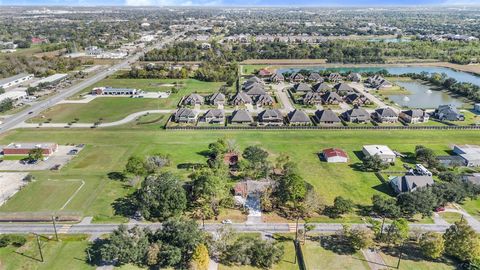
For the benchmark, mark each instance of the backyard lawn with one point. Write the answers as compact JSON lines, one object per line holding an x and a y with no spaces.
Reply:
{"x":413,"y":260}
{"x":108,"y":149}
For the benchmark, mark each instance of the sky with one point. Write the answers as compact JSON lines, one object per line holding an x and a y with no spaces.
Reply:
{"x":238,"y":2}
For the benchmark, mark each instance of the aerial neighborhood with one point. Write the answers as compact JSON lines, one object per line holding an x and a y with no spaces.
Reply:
{"x":243,"y":136}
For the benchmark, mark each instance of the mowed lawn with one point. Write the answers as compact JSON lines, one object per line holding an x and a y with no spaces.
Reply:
{"x":107,"y":151}
{"x":317,"y":257}
{"x":68,"y":253}
{"x":108,"y":109}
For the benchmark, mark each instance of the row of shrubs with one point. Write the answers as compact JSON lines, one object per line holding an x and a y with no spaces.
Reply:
{"x":12,"y":239}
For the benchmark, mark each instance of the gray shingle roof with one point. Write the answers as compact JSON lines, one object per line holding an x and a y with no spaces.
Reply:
{"x":241,"y":97}
{"x":302,"y":87}
{"x":386,"y":112}
{"x":321,"y":87}
{"x":298,"y":116}
{"x":193,"y":99}
{"x":270,"y":114}
{"x":241,"y":116}
{"x":343,"y":87}
{"x":256,"y":91}
{"x":331,"y":96}
{"x":217,"y":97}
{"x":217,"y":113}
{"x":411,"y":182}
{"x":185,"y":112}
{"x":326,"y":116}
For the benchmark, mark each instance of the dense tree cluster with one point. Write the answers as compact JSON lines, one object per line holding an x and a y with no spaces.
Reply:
{"x":335,"y":51}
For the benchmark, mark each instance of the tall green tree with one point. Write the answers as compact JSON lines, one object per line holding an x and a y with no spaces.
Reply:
{"x":462,"y":242}
{"x":125,"y":246}
{"x":135,"y":166}
{"x":432,"y":245}
{"x":161,"y":197}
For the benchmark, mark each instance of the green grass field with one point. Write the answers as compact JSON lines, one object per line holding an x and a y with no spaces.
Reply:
{"x":317,"y":257}
{"x":110,"y":109}
{"x":412,"y":260}
{"x":69,"y":253}
{"x":108,"y":149}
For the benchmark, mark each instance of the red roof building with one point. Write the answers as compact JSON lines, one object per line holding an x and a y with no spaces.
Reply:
{"x":264,"y":73}
{"x":335,"y":155}
{"x":36,"y":40}
{"x":22,"y":149}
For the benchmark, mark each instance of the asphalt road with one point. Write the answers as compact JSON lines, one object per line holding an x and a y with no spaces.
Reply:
{"x":35,"y":109}
{"x":241,"y":227}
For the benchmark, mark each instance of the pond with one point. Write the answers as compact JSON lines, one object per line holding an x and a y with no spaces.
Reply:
{"x":422,"y":96}
{"x":458,"y":75}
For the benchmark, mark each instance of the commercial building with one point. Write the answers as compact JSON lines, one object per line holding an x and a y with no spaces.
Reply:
{"x":56,"y":78}
{"x":22,"y":149}
{"x":15,"y":80}
{"x":110,"y":91}
{"x":382,"y":151}
{"x":13,"y":95}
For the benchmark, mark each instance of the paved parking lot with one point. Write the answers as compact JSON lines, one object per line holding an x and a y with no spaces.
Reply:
{"x":59,"y":158}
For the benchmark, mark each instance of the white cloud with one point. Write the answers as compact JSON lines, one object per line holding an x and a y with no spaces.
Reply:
{"x":172,"y":2}
{"x":461,"y":2}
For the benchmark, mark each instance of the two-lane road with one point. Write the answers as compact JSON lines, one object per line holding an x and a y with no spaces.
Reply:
{"x":14,"y":120}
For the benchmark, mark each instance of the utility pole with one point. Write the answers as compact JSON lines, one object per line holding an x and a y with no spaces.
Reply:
{"x":55,"y":227}
{"x":39,"y":247}
{"x":400,"y":256}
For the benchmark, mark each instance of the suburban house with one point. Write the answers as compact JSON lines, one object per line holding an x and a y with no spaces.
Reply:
{"x":241,"y":99}
{"x":110,"y":91}
{"x":343,"y":89}
{"x":22,"y":149}
{"x":335,"y":155}
{"x":214,"y":116}
{"x":326,"y":117}
{"x":251,"y":82}
{"x":264,"y":73}
{"x":357,"y":99}
{"x":296,"y":77}
{"x":264,"y":100}
{"x":414,"y":116}
{"x":277,"y":77}
{"x":385,"y":115}
{"x":193,"y":99}
{"x":256,"y":91}
{"x":302,"y":87}
{"x":321,"y":87}
{"x":449,"y":113}
{"x":217,"y":99}
{"x":378,"y":82}
{"x":15,"y":80}
{"x":469,"y":153}
{"x":185,"y":115}
{"x":298,"y":117}
{"x":271,"y":117}
{"x":315,"y":77}
{"x":331,"y":98}
{"x":356,"y":115}
{"x":312,"y":98}
{"x":241,"y":116}
{"x":354,"y":77}
{"x":409,"y":183}
{"x":246,"y":188}
{"x":334,"y":77}
{"x":382,"y":151}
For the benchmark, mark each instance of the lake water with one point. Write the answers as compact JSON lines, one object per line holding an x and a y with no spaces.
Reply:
{"x":422,"y":96}
{"x":458,"y":75}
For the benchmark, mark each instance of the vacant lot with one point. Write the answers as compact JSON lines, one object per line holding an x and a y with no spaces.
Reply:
{"x":108,"y":149}
{"x":116,"y":108}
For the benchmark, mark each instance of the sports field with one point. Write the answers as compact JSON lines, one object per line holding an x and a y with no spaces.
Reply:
{"x":107,"y":151}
